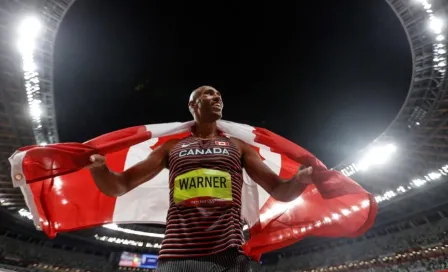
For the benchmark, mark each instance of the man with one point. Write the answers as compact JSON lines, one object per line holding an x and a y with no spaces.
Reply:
{"x":204,"y":230}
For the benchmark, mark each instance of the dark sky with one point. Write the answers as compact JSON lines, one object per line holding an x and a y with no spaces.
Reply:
{"x":330,"y":77}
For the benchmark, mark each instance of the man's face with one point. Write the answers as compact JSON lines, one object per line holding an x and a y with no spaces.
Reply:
{"x":207,"y":104}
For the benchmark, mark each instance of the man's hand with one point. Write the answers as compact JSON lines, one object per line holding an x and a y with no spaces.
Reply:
{"x":282,"y":190}
{"x":117,"y":184}
{"x":108,"y":182}
{"x":303,"y":176}
{"x":96,"y":161}
{"x":293,"y":188}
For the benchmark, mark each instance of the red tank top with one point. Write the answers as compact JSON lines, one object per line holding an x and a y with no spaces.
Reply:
{"x":204,"y":216}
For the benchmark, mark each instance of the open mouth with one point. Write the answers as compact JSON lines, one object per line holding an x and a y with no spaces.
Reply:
{"x":217,"y":106}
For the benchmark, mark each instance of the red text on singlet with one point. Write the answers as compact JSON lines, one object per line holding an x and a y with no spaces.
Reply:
{"x":204,"y":216}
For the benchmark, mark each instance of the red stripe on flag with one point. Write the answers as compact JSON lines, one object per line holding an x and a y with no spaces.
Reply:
{"x":164,"y":139}
{"x":117,"y":140}
{"x":329,"y":197}
{"x":289,"y":168}
{"x":72,"y":200}
{"x":53,"y":160}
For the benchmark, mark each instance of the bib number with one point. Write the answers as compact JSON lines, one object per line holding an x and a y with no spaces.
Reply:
{"x":203,"y":187}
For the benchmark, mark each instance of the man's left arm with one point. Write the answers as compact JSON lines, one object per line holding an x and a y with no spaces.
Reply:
{"x":278,"y":188}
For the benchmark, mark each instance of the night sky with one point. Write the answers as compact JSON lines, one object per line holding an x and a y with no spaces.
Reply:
{"x":330,"y":77}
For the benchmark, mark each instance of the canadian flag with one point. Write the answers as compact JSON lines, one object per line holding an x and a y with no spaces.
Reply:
{"x":222,"y":143}
{"x":62,"y":195}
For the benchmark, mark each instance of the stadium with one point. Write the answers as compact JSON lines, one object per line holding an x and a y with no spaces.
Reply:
{"x":410,"y":232}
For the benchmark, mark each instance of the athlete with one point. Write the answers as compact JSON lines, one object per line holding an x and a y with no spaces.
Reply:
{"x":204,"y":229}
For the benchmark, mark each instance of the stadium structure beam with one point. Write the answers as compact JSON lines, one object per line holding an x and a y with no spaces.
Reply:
{"x":16,"y":126}
{"x":421,"y":121}
{"x":419,"y":127}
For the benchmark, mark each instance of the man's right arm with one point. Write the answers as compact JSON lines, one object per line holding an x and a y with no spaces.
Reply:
{"x":117,"y":184}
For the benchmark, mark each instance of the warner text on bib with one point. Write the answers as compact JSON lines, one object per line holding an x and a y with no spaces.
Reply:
{"x":203,"y":187}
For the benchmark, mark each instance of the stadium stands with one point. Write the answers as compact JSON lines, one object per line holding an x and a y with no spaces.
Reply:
{"x":421,"y":248}
{"x":25,"y":254}
{"x":22,"y":253}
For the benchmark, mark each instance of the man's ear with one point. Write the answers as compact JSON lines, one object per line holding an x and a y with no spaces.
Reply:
{"x":191,"y":106}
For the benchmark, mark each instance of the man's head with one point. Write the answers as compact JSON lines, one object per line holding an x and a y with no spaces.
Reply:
{"x":206,"y":104}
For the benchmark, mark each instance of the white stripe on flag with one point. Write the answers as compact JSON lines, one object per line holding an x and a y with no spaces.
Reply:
{"x":241,"y":132}
{"x":254,"y":196}
{"x":149,"y":202}
{"x":159,"y":130}
{"x":16,"y":161}
{"x":274,"y":162}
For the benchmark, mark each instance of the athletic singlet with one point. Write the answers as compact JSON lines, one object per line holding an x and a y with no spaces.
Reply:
{"x":204,"y":216}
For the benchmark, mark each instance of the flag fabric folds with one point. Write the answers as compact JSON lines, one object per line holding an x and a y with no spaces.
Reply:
{"x":62,"y":195}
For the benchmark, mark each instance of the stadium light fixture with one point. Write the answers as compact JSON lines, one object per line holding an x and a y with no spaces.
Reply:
{"x":434,"y":175}
{"x":135,"y":232}
{"x":35,"y":109}
{"x":26,"y":214}
{"x":28,"y":31}
{"x":436,"y":24}
{"x":126,"y":242}
{"x":30,"y":26}
{"x":376,"y":156}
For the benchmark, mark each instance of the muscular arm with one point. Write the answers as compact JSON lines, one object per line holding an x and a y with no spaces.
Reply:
{"x":278,"y":188}
{"x":116,"y":184}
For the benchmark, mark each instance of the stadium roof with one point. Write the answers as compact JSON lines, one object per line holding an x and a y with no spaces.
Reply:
{"x":412,"y":152}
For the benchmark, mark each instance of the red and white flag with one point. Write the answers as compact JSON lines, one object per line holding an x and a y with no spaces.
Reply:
{"x":62,"y":195}
{"x":222,"y":143}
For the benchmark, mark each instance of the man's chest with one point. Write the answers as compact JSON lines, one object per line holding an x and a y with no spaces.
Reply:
{"x":219,"y":151}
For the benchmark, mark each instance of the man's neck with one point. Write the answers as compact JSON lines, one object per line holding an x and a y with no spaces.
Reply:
{"x":205,"y":130}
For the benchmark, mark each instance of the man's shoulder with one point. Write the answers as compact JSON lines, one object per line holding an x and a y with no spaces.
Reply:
{"x":236,"y":140}
{"x":169,"y":144}
{"x":242,"y":145}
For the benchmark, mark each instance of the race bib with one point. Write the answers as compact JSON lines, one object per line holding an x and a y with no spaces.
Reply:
{"x":203,"y":187}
